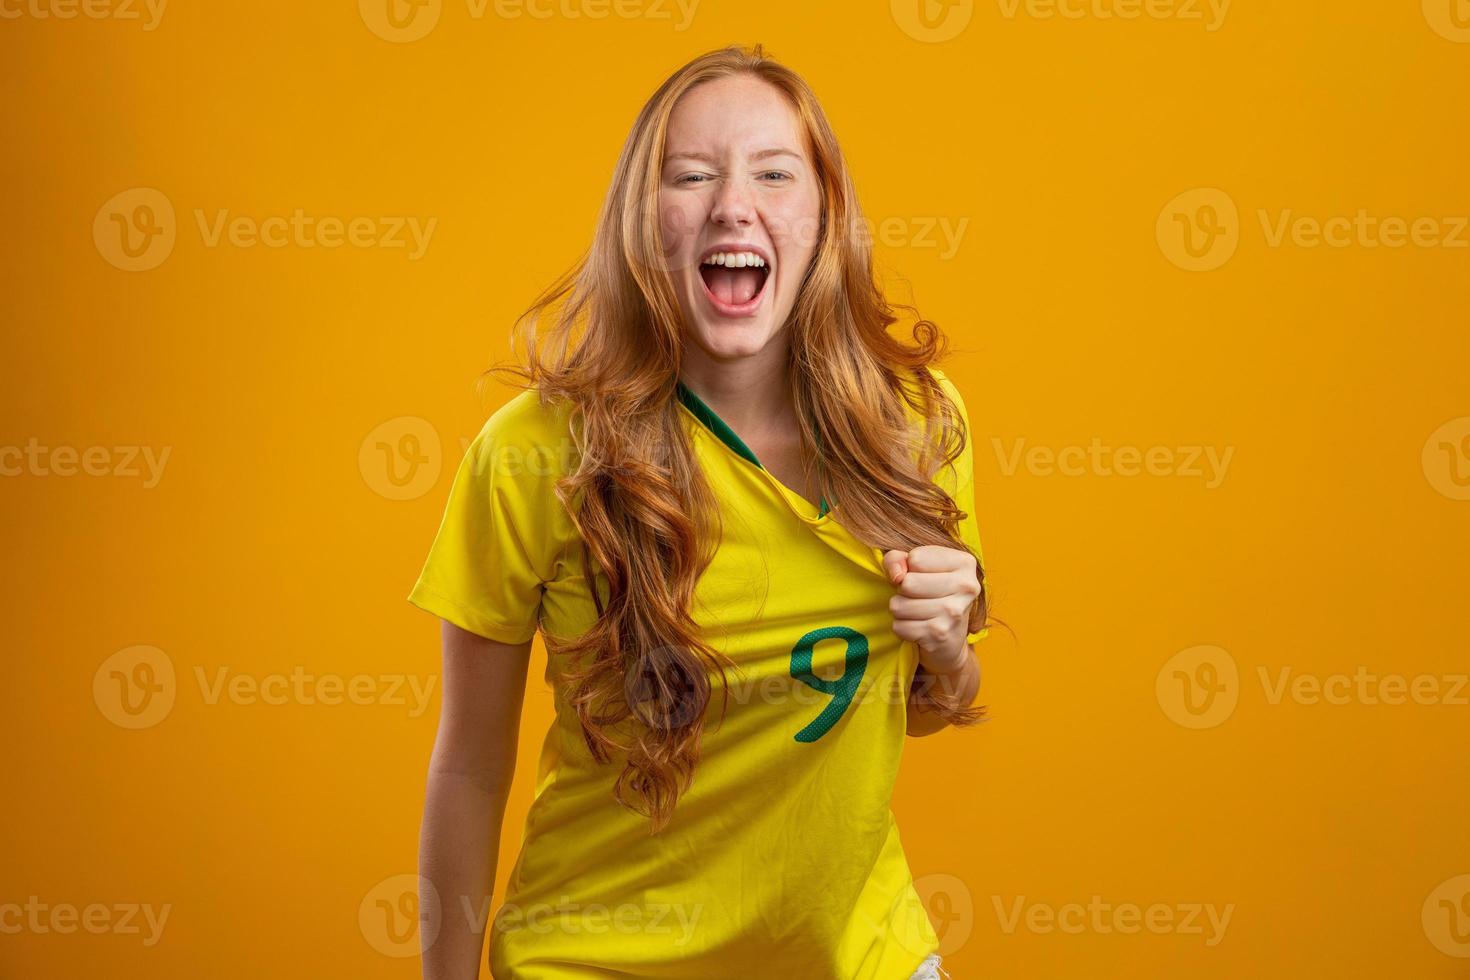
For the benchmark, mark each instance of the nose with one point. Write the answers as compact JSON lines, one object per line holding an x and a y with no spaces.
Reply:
{"x":733,"y":206}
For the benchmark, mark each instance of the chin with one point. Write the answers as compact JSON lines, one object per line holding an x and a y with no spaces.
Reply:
{"x":729,"y":340}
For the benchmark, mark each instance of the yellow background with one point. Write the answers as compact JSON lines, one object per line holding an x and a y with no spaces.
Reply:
{"x":277,"y":540}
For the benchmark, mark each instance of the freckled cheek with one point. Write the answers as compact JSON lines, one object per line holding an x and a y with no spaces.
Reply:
{"x":794,"y":229}
{"x":680,"y":224}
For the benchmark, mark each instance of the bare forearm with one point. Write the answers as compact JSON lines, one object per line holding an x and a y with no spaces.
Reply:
{"x":458,"y":842}
{"x":963,"y":682}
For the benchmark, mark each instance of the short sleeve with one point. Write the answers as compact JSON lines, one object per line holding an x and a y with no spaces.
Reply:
{"x":496,"y":546}
{"x":961,"y":484}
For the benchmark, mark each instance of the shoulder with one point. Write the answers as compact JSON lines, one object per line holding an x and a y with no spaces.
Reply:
{"x":527,"y":416}
{"x":922,"y":421}
{"x":526,"y":435}
{"x":949,"y":387}
{"x":510,"y":472}
{"x":910,"y":380}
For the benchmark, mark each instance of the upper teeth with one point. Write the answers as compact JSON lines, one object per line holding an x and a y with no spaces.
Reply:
{"x":735,"y":260}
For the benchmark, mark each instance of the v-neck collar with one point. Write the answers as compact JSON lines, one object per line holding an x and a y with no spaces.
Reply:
{"x":724,"y":433}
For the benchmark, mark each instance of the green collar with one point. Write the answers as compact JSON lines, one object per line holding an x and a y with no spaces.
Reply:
{"x":725,"y":434}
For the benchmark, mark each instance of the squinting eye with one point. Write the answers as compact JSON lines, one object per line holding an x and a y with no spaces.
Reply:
{"x":777,"y":173}
{"x":688,"y":177}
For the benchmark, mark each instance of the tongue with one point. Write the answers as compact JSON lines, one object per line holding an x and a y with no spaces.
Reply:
{"x":732,"y":285}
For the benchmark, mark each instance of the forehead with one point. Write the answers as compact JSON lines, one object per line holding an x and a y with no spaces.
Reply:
{"x":740,"y":113}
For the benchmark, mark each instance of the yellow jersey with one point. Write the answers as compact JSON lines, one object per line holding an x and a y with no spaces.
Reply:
{"x":783,"y":858}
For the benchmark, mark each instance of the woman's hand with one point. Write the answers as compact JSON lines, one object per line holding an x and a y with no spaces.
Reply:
{"x":936,"y":588}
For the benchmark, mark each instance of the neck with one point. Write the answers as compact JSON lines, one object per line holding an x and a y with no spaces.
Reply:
{"x":751,"y":395}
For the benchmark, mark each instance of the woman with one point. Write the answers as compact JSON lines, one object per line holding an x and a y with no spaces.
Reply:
{"x":741,"y":516}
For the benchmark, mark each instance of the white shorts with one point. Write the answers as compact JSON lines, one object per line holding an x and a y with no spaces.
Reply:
{"x":930,"y":969}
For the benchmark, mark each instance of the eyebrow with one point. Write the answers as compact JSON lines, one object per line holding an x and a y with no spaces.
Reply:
{"x":774,"y":151}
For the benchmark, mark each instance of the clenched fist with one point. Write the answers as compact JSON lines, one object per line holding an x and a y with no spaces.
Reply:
{"x":937,"y":587}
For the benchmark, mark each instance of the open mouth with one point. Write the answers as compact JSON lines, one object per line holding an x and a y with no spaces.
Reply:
{"x":735,"y":281}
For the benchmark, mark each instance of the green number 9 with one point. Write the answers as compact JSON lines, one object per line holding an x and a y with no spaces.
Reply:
{"x":842,"y":689}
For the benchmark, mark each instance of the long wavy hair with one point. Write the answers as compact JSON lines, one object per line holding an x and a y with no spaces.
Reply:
{"x":608,"y":336}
